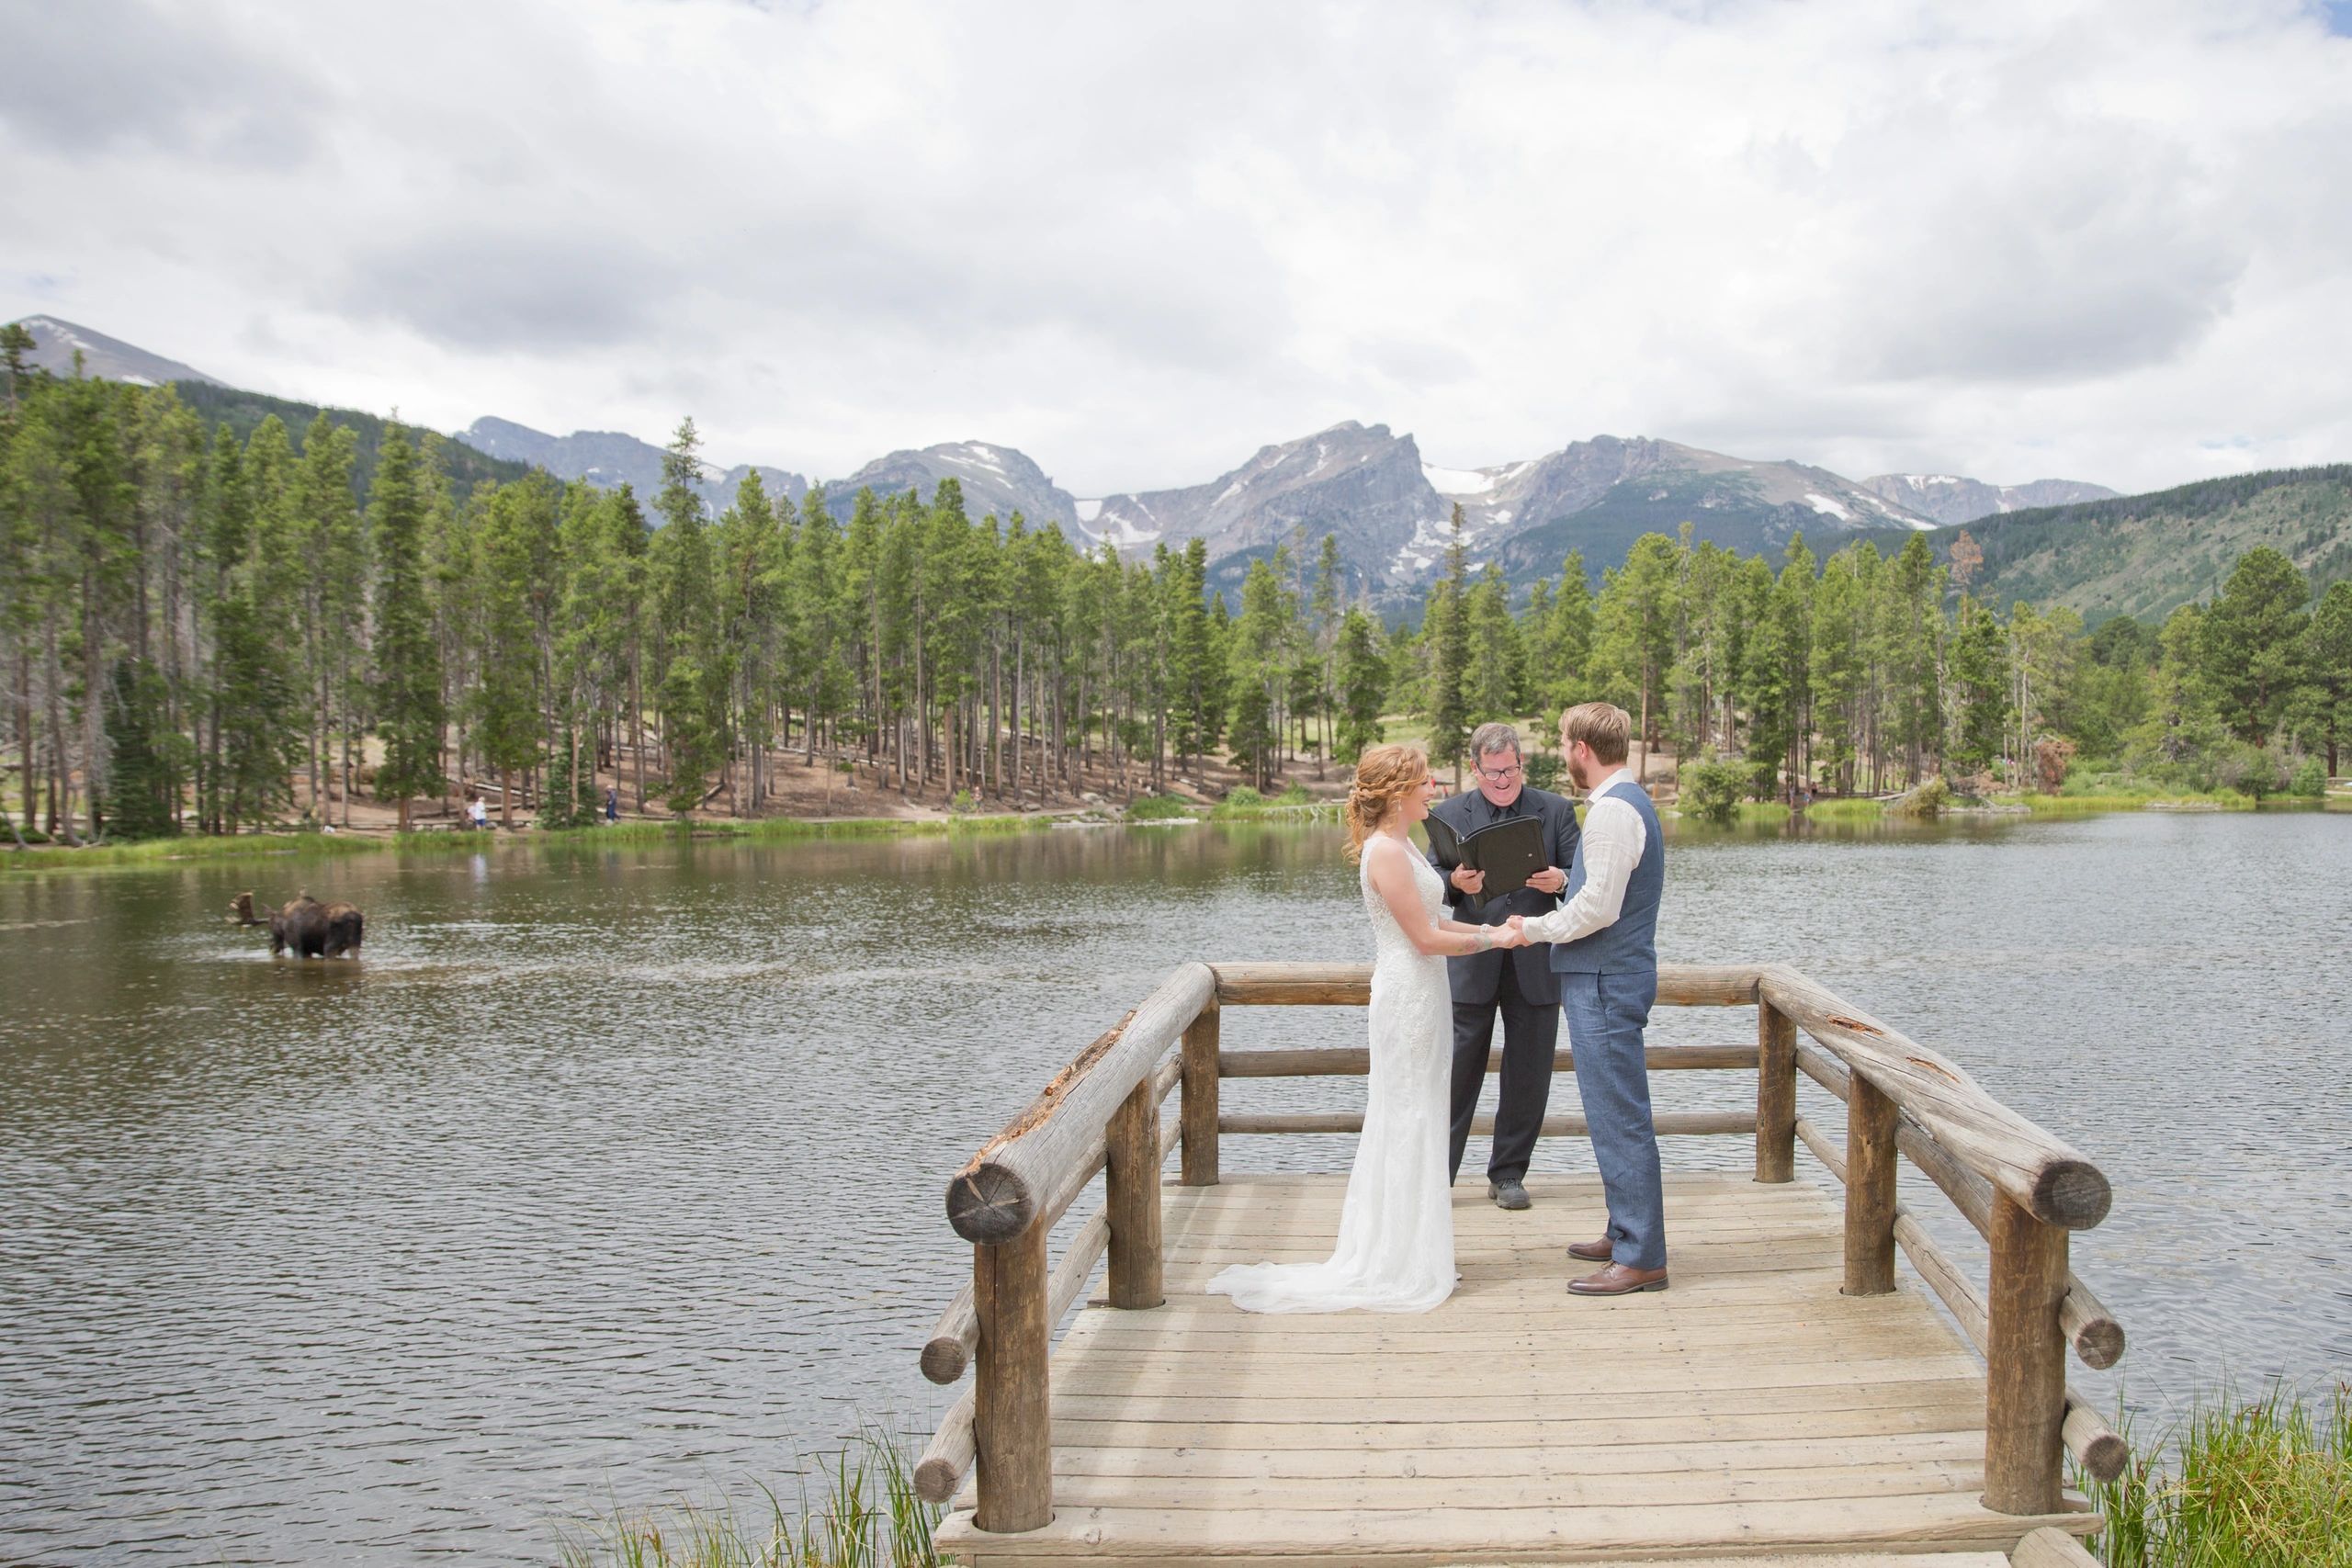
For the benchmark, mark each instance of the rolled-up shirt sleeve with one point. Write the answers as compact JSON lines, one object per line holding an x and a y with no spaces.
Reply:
{"x":1614,"y":836}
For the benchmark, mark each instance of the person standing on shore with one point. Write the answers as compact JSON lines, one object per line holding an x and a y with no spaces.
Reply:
{"x":1604,"y":950}
{"x":1519,"y":986}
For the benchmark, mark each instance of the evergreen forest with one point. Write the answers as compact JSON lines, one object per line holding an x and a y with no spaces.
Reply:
{"x":204,"y":630}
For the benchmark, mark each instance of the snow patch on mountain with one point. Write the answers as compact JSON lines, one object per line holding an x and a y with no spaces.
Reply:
{"x":1458,"y":481}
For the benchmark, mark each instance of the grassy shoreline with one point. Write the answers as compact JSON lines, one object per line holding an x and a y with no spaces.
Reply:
{"x":2237,"y":1483}
{"x":1864,"y":808}
{"x":1148,"y":809}
{"x":252,"y":846}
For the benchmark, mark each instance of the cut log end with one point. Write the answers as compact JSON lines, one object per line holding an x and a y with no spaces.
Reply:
{"x":2098,"y":1448}
{"x":944,"y":1359}
{"x":2072,"y":1193}
{"x":989,"y":1205}
{"x":937,"y":1480}
{"x":2105,"y":1455}
{"x":2100,"y":1343}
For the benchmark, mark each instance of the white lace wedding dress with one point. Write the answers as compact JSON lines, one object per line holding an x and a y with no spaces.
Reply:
{"x":1396,"y":1249}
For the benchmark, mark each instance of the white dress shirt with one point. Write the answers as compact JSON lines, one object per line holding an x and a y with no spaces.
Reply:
{"x":1614,"y":838}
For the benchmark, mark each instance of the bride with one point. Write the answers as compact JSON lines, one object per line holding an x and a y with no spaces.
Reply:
{"x":1396,"y":1248}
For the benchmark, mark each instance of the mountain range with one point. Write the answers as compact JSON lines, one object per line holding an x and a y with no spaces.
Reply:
{"x":2051,"y":541}
{"x":1390,"y":508}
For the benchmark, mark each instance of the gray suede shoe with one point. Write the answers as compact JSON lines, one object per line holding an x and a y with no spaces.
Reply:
{"x":1509,"y":1195}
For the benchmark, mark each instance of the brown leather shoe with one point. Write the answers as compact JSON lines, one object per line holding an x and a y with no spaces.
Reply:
{"x":1618,"y":1280}
{"x":1600,"y":1251}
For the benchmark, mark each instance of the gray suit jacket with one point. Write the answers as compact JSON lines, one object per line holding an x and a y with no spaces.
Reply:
{"x":1476,"y":977}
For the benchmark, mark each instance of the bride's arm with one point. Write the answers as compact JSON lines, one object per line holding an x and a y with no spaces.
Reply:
{"x":1392,"y":878}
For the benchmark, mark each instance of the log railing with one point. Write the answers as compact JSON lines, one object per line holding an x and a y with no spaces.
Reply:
{"x":2023,"y":1190}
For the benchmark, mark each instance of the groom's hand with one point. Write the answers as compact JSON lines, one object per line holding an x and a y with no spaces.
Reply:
{"x":1466,"y":880}
{"x":1551,"y":879}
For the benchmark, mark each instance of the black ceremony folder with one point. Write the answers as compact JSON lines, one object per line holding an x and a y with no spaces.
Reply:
{"x":1509,"y":852}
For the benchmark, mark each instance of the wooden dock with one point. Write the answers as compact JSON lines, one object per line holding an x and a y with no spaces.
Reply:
{"x":1764,"y":1410}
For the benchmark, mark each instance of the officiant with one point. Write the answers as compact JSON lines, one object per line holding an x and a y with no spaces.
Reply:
{"x":1517,"y":985}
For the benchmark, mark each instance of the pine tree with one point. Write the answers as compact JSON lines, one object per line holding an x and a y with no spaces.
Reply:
{"x":142,"y":797}
{"x":2326,"y":705}
{"x":1364,"y":683}
{"x":1635,"y":634}
{"x":1915,"y":655}
{"x":407,"y":688}
{"x":693,"y":674}
{"x":2252,"y":636}
{"x":1838,"y":659}
{"x":1563,"y":655}
{"x":1253,"y":737}
{"x":518,"y":537}
{"x":1445,"y":628}
{"x":1980,"y":681}
{"x":1495,"y":677}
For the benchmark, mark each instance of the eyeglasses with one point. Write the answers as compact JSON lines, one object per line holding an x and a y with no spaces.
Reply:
{"x":1501,"y":775}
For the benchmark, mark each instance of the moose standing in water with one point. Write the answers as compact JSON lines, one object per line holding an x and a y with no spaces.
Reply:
{"x":311,"y":929}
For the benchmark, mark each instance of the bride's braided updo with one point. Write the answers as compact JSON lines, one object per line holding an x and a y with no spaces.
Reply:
{"x":1385,"y":775}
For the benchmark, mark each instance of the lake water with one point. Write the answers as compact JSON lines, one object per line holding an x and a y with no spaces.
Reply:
{"x":617,"y":1174}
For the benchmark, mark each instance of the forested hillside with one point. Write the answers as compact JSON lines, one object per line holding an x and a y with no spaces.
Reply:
{"x":2147,"y":555}
{"x":244,"y":411}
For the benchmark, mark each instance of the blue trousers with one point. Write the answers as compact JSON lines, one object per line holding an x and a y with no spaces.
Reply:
{"x":1605,"y":1015}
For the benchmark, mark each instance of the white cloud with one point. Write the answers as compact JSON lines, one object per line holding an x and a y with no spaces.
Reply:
{"x":2102,"y":241}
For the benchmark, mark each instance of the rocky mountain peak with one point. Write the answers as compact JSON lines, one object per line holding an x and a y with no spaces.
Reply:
{"x":55,"y":342}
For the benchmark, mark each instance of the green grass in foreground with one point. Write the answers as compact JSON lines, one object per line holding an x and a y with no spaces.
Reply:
{"x":2265,"y":1484}
{"x":864,"y":1515}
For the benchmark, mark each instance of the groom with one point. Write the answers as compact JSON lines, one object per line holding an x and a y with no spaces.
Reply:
{"x":1605,"y":951}
{"x":1519,"y":985}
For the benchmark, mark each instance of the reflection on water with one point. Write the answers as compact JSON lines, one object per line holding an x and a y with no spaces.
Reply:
{"x":617,"y":1172}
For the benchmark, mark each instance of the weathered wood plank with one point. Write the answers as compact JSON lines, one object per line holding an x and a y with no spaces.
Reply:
{"x":1114,"y":1534}
{"x":2052,"y":1548}
{"x":1560,"y":1489}
{"x":1083,"y":1455}
{"x":1956,"y":1408}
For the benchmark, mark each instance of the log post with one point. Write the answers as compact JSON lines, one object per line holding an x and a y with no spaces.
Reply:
{"x":1199,"y":1111}
{"x":1869,"y":1190}
{"x":1014,"y":1443}
{"x":1131,"y":1198}
{"x":2025,"y":1363}
{"x":1776,"y":1094}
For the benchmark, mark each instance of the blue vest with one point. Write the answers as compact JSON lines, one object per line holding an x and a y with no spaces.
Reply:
{"x":1629,"y":944}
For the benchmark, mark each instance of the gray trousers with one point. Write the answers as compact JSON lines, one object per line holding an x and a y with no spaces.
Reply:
{"x":1529,"y":1031}
{"x":1606,"y":1014}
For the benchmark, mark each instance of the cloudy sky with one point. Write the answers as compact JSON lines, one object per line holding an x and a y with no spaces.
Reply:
{"x":2011,"y":237}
